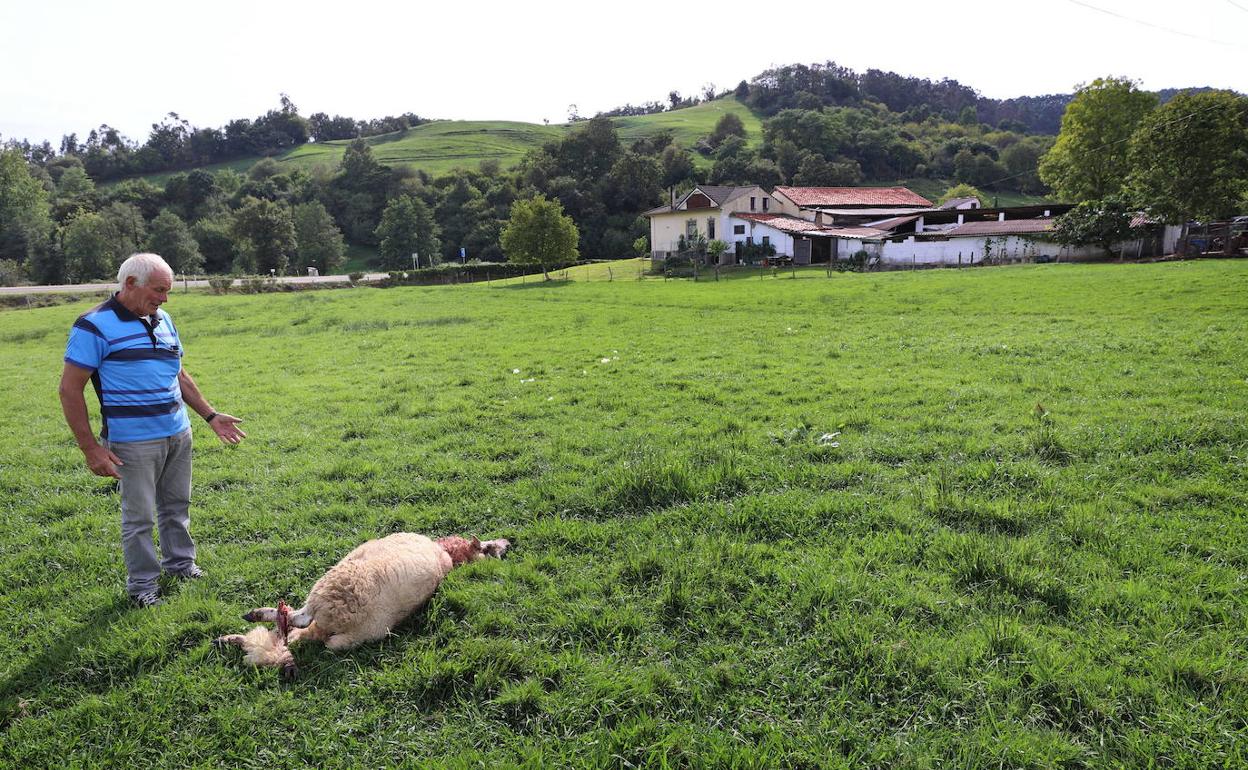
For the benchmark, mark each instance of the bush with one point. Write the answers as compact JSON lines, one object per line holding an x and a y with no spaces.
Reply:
{"x":355,"y":277}
{"x":256,"y":284}
{"x":11,"y":273}
{"x":752,"y":253}
{"x":220,"y":284}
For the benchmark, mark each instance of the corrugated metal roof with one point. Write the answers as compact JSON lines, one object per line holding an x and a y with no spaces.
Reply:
{"x":853,"y":196}
{"x":783,"y":222}
{"x":894,"y":223}
{"x":1008,"y":227}
{"x":855,"y":232}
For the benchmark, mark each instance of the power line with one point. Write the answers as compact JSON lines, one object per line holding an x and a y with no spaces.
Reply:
{"x":1158,"y":26}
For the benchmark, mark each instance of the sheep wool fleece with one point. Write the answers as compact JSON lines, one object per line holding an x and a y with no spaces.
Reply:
{"x":377,"y":585}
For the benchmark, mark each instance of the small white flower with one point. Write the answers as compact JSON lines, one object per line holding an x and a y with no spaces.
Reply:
{"x":515,"y":371}
{"x":605,"y":361}
{"x":584,"y":371}
{"x":550,"y":398}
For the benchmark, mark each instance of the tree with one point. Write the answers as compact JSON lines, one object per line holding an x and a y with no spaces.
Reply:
{"x":216,"y":242}
{"x":1189,"y":159}
{"x":815,"y":171}
{"x":171,"y":238}
{"x":728,"y":125}
{"x":1101,"y":223}
{"x":266,"y":234}
{"x":677,"y":166}
{"x":319,"y":239}
{"x":1089,"y":160}
{"x":1021,"y":160}
{"x":964,"y":191}
{"x":87,"y":242}
{"x":25,"y":219}
{"x":74,"y":192}
{"x":407,"y":227}
{"x":538,"y":233}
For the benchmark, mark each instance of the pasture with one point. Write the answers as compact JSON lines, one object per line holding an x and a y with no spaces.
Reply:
{"x":979,"y":518}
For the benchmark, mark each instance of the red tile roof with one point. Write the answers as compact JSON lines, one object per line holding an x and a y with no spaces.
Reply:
{"x":1008,"y":227}
{"x":853,"y":196}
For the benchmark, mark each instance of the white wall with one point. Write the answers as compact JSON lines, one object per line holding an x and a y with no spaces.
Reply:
{"x":972,"y":249}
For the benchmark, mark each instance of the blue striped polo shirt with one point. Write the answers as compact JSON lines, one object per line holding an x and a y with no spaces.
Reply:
{"x":134,"y":364}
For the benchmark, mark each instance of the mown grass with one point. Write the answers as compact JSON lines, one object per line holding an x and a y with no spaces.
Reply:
{"x":990,"y":517}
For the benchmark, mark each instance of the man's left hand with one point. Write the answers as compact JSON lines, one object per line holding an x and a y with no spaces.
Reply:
{"x":226,"y":428}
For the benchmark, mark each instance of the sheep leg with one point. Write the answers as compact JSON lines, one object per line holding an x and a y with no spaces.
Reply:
{"x":300,"y":618}
{"x":261,"y":615}
{"x":230,"y":640}
{"x":342,"y":642}
{"x":312,"y":633}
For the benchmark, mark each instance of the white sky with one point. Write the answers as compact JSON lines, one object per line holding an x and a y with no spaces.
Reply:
{"x":69,"y":65}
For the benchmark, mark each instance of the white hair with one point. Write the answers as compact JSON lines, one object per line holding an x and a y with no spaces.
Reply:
{"x":141,"y":266}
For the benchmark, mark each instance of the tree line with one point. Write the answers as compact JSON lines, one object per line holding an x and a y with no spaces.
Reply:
{"x":174,"y":144}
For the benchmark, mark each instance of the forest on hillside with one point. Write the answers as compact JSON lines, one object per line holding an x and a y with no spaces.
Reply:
{"x":71,"y":213}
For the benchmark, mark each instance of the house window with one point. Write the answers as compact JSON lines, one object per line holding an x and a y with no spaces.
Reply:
{"x":764,"y":204}
{"x":766,"y":240}
{"x":691,"y":228}
{"x":710,"y":228}
{"x":751,"y":203}
{"x":738,"y":229}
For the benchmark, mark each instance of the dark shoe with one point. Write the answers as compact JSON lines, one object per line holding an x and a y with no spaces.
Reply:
{"x":147,"y":599}
{"x":192,"y":572}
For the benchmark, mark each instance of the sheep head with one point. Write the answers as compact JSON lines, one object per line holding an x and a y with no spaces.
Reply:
{"x":463,"y":550}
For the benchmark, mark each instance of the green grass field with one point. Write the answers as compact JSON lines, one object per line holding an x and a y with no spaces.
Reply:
{"x":979,"y":518}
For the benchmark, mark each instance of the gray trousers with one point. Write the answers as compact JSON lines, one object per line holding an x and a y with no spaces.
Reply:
{"x":155,"y":489}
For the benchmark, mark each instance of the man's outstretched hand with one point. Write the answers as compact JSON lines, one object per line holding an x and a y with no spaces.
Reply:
{"x":226,"y":428}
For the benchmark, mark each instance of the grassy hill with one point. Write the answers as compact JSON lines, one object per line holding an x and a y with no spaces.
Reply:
{"x":977,"y":518}
{"x":443,"y":145}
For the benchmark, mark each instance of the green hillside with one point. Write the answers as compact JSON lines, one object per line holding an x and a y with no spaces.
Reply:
{"x":438,"y":147}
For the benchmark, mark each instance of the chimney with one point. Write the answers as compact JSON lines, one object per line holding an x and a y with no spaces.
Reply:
{"x":671,"y":191}
{"x":1001,"y":217}
{"x":960,"y":218}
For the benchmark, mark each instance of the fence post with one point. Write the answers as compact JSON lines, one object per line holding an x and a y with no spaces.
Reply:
{"x":716,"y":273}
{"x":610,"y":275}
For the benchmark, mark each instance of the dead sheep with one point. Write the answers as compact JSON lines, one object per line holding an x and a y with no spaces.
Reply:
{"x":360,"y":598}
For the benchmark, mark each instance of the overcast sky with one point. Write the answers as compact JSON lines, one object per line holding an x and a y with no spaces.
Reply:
{"x":70,"y":65}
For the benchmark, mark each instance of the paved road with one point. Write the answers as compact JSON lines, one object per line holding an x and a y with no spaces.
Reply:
{"x":86,"y":288}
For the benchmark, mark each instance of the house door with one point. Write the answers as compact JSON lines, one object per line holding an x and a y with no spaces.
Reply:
{"x":801,"y":252}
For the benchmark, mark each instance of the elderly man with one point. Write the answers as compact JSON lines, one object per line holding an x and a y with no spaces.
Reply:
{"x":128,"y":348}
